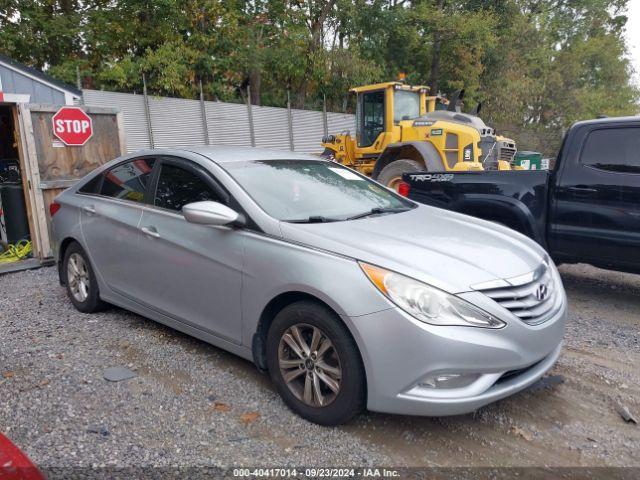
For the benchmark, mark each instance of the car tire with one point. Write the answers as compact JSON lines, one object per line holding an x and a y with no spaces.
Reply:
{"x":391,"y":175}
{"x":321,"y":366}
{"x":80,"y":280}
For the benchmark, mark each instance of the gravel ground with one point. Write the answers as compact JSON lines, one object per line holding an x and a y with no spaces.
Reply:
{"x":191,"y":404}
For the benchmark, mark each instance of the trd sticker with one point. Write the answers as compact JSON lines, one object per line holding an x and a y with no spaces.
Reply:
{"x":432,"y":177}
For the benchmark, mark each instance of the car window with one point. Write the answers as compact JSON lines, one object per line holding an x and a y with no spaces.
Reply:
{"x":128,"y":181}
{"x":614,"y":149}
{"x":299,"y":190}
{"x":178,"y":186}
{"x":92,"y":185}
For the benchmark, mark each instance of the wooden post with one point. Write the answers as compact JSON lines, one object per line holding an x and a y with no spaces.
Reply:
{"x":290,"y":121}
{"x":121,"y":134}
{"x":147,"y":111}
{"x":41,"y":231}
{"x":252,"y":133}
{"x":203,"y":112}
{"x":325,"y":123}
{"x":26,"y":184}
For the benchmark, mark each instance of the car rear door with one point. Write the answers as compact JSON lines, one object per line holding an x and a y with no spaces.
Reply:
{"x":192,"y":272}
{"x":109,"y":221}
{"x":596,"y":211}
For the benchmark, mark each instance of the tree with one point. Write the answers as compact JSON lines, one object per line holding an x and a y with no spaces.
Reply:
{"x":537,"y":65}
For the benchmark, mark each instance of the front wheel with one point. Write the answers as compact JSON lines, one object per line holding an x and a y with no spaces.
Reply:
{"x":315,"y":365}
{"x":391,"y":175}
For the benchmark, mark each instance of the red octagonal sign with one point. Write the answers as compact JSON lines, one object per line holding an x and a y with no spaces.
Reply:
{"x":72,"y":125}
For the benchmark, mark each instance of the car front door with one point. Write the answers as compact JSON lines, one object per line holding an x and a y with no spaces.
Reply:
{"x":192,"y":272}
{"x":596,"y":212}
{"x":110,"y":213}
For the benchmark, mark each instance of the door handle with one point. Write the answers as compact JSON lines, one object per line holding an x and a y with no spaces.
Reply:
{"x":90,"y":209}
{"x":579,"y":190}
{"x":151,"y":231}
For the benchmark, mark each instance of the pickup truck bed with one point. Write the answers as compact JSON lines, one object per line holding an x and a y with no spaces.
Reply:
{"x":520,"y":195}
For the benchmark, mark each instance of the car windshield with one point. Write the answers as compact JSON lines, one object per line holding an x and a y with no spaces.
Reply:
{"x":308,"y":191}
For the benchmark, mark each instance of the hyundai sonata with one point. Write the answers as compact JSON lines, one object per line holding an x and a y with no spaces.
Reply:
{"x":347,"y":294}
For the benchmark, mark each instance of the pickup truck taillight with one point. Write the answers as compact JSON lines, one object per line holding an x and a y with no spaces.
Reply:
{"x":403,"y":189}
{"x":53,"y":208}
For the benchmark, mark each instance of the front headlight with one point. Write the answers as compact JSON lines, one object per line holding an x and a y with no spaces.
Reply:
{"x":426,"y":303}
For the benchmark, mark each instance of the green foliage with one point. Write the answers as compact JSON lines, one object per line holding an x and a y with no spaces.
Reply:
{"x":537,"y":65}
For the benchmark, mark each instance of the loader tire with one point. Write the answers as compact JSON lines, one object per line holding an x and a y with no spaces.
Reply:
{"x":391,"y":175}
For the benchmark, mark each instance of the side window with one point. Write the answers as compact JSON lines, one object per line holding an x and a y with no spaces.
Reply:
{"x":92,"y":185}
{"x":613,"y":149}
{"x":128,"y":181}
{"x":178,"y":186}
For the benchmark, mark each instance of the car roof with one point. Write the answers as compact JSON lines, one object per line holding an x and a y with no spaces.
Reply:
{"x":229,"y":154}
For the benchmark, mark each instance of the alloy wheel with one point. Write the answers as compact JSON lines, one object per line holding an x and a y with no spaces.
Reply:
{"x":78,"y":277}
{"x":310,"y":365}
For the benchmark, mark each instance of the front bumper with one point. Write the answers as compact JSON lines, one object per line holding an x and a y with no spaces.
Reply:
{"x":399,"y":351}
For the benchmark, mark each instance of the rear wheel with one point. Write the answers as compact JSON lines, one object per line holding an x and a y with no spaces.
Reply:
{"x":82,"y":287}
{"x":391,"y":175}
{"x":314,"y":364}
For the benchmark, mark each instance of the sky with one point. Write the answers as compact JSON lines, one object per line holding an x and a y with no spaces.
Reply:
{"x":633,"y":37}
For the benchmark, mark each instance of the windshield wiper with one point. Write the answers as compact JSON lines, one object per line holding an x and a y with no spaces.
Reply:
{"x":321,"y":219}
{"x":313,"y":219}
{"x":377,"y":211}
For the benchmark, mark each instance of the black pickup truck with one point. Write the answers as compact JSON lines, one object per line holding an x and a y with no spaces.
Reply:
{"x":586,"y":210}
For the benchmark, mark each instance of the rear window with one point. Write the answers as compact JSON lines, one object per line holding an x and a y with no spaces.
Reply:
{"x":128,"y":181}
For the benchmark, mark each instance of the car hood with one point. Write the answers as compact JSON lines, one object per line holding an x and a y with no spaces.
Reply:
{"x":445,"y":249}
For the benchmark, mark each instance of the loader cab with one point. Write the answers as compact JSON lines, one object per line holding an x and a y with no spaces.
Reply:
{"x":379,"y":110}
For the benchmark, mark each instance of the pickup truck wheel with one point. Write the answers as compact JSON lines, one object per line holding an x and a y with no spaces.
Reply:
{"x":391,"y":175}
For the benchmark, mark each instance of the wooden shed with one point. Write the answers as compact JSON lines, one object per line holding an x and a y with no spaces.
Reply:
{"x":35,"y":164}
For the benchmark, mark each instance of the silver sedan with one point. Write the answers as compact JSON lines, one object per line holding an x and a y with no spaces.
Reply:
{"x":347,"y":294}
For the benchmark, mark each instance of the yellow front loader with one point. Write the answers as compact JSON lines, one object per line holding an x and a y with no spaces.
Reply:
{"x":400,"y":129}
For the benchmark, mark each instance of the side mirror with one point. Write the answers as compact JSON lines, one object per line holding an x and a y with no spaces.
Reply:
{"x":210,"y":213}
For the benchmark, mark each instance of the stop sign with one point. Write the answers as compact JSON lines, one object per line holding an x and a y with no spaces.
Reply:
{"x":72,"y":125}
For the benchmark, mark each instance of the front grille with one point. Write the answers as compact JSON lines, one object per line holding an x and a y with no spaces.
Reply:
{"x":506,"y":152}
{"x":530,"y":297}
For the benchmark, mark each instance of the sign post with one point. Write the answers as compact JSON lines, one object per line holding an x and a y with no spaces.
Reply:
{"x":72,"y":126}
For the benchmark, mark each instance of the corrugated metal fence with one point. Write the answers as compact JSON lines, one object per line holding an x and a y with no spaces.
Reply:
{"x":174,"y":122}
